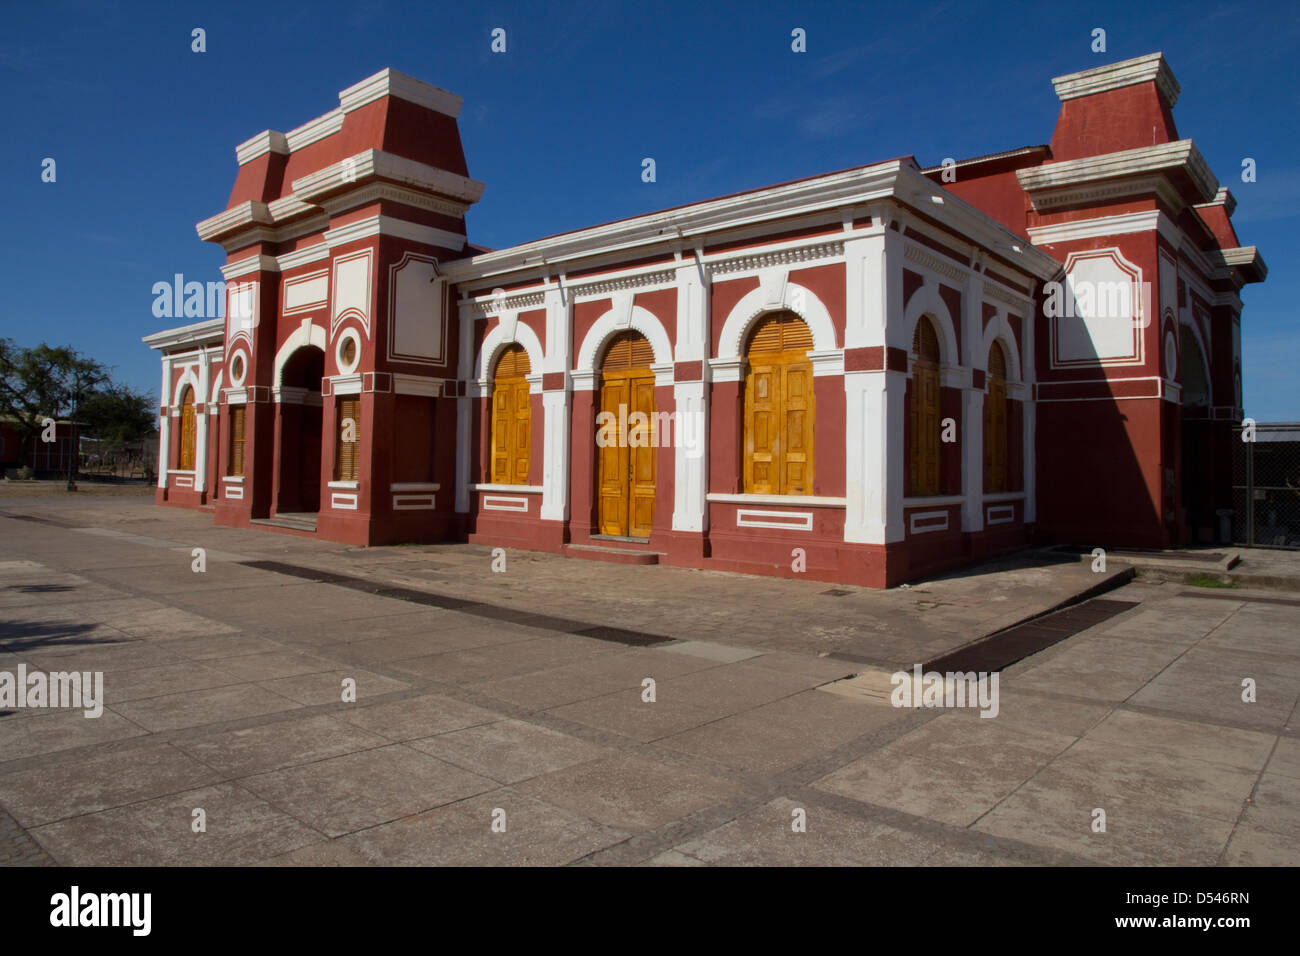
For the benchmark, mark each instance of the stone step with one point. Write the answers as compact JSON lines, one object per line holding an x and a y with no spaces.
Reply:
{"x":612,"y":555}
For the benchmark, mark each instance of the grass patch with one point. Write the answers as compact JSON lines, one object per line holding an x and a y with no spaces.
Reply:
{"x":1207,"y":581}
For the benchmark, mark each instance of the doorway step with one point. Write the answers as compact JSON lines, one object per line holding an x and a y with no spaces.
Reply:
{"x":615,"y":550}
{"x":304,"y":522}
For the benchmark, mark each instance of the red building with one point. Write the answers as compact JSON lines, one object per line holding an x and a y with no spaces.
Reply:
{"x":865,"y":376}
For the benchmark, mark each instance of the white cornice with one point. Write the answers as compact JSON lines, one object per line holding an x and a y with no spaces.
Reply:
{"x":896,"y":179}
{"x":1160,"y":159}
{"x":402,"y":194}
{"x":267,"y":141}
{"x":388,"y":226}
{"x":301,"y":257}
{"x":1152,"y":68}
{"x":207,"y":331}
{"x":389,"y":82}
{"x":1242,"y":258}
{"x":249,"y":265}
{"x":246,"y":213}
{"x":290,"y":207}
{"x":1107,"y":226}
{"x":316,"y":130}
{"x":1224,"y":198}
{"x":377,"y":163}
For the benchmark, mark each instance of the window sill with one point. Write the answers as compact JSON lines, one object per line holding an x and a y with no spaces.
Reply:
{"x":345,"y":485}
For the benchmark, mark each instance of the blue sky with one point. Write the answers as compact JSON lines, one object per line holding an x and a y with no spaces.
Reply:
{"x":143,"y":130}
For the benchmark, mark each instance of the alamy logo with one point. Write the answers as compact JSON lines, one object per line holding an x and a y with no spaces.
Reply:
{"x":950,"y":689}
{"x":1085,"y":298}
{"x":102,"y":909}
{"x":651,"y":430}
{"x":56,"y":689}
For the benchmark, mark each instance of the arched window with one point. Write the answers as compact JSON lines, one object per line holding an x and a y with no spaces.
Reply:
{"x":511,"y":417}
{"x":188,"y":429}
{"x":995,"y":423}
{"x":924,"y":417}
{"x":779,"y":408}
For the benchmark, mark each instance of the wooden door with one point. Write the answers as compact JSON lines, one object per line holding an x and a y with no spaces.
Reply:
{"x":189,"y":434}
{"x":614,"y":484}
{"x":779,"y":424}
{"x":641,"y":463}
{"x":627,"y":474}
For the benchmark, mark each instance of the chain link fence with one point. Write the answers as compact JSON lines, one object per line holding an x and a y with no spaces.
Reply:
{"x":1266,"y":487}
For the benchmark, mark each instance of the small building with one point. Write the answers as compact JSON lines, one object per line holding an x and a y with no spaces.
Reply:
{"x":866,"y":376}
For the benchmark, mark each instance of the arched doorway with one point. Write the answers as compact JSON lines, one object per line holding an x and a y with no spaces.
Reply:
{"x":923,"y":411}
{"x":625,"y":439}
{"x":779,"y":407}
{"x":299,"y":431}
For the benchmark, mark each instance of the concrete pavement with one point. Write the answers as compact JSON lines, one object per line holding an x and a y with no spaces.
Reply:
{"x":493,"y":733}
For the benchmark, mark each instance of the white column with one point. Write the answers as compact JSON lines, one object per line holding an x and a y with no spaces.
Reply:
{"x":873,"y":426}
{"x":691,"y":464}
{"x":466,"y":440}
{"x":865,"y":431}
{"x":201,"y":421}
{"x":972,"y":404}
{"x":556,"y":404}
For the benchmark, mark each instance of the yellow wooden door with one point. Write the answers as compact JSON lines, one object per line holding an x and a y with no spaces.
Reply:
{"x":779,"y":414}
{"x":613,"y":480}
{"x":641,"y":459}
{"x":188,"y":436}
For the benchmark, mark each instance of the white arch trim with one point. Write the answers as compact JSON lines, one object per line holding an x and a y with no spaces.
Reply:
{"x":927,"y":301}
{"x":187,"y":378}
{"x":497,"y":340}
{"x":216,"y":388}
{"x":999,"y":329}
{"x":640,"y":320}
{"x":796,"y":298}
{"x":303,"y":335}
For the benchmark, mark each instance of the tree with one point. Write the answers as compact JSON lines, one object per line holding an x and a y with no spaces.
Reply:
{"x":43,"y":382}
{"x":117,"y":415}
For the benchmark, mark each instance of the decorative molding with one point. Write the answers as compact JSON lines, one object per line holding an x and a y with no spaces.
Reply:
{"x":914,"y":252}
{"x":931,"y":519}
{"x":504,"y":503}
{"x":375,"y":192}
{"x":785,"y":520}
{"x":243,"y":267}
{"x":728,"y":263}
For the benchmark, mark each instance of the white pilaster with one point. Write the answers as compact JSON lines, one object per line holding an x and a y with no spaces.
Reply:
{"x":201,"y":421}
{"x":556,"y":404}
{"x":690,"y":460}
{"x":972,"y":403}
{"x":466,"y":440}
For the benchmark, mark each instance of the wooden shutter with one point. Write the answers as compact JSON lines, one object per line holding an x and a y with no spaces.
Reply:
{"x":995,"y":423}
{"x":188,"y":430}
{"x":779,"y":408}
{"x":924,"y":417}
{"x":237,"y":440}
{"x":628,"y":350}
{"x":348,"y":452}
